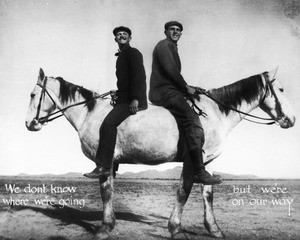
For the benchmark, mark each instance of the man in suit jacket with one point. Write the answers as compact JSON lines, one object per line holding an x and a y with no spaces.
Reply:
{"x":167,"y":89}
{"x":131,"y":97}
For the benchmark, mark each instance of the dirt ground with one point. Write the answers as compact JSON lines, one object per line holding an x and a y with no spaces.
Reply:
{"x":143,"y":208}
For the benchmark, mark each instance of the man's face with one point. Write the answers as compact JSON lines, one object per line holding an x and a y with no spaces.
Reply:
{"x":173,"y":33}
{"x":122,"y":38}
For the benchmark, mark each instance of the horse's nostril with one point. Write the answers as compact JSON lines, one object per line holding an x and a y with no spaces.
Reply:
{"x":35,"y":121}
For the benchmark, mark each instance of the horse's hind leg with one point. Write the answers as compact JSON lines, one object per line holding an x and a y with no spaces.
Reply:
{"x":209,"y":218}
{"x":183,"y":192}
{"x":109,"y":219}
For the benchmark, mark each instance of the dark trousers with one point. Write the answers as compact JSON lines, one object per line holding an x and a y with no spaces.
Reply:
{"x":108,"y":134}
{"x":188,"y":122}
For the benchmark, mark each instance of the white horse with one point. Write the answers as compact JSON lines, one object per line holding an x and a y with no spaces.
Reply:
{"x":151,"y":136}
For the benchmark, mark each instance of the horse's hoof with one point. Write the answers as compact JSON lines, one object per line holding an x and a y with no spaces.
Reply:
{"x":176,"y":232}
{"x":179,"y":235}
{"x":218,"y":234}
{"x":103,"y":233}
{"x":214,"y":230}
{"x":174,"y":229}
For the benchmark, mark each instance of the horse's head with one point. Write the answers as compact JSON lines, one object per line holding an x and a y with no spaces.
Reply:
{"x":41,"y":104}
{"x":275,"y":103}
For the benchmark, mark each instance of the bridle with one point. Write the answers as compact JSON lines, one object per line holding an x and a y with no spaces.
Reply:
{"x":268,"y":88}
{"x":43,"y":94}
{"x":47,"y":118}
{"x":269,"y":83}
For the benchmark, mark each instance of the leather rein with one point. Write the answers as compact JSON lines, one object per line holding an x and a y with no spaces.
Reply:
{"x":198,"y":111}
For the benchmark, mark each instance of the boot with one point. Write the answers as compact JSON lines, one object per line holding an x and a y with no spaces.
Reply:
{"x":200,"y":174}
{"x":98,"y":172}
{"x":205,"y":178}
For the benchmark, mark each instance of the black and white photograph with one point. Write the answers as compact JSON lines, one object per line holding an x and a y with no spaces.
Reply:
{"x":149,"y":119}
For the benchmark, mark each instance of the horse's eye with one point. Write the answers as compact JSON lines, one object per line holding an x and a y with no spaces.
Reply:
{"x":281,"y":90}
{"x":32,"y":95}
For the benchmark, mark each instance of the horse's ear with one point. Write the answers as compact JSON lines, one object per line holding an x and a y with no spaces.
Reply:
{"x":41,"y":75}
{"x":272,"y":73}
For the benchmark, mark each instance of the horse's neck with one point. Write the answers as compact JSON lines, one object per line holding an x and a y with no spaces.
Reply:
{"x":76,"y":114}
{"x":244,"y":96}
{"x":234,"y":117}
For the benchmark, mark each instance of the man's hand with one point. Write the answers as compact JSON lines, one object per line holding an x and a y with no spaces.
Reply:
{"x":133,"y":106}
{"x":191,"y":90}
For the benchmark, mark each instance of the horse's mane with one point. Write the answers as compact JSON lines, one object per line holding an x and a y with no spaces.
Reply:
{"x":232,"y":95}
{"x":68,"y":91}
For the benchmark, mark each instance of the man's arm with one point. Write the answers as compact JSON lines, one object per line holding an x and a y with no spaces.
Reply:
{"x":137,"y":78}
{"x":167,"y":61}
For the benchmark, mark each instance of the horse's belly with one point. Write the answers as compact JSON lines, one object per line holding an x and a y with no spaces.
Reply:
{"x":147,"y":139}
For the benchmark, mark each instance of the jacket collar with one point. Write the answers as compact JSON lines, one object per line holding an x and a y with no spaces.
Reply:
{"x":121,"y":53}
{"x":175,"y":43}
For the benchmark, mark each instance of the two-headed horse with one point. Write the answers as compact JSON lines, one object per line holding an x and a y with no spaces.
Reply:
{"x":151,"y":136}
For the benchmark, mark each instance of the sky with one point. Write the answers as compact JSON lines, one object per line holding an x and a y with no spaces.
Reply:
{"x":222,"y":42}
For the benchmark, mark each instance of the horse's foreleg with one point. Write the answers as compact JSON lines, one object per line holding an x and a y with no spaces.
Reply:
{"x":209,"y":218}
{"x":182,"y":194}
{"x":109,"y":219}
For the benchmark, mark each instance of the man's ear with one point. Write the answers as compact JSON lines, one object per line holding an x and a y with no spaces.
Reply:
{"x":116,"y":39}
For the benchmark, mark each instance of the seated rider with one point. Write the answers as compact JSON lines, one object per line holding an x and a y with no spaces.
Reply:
{"x":167,"y":89}
{"x":131,"y":97}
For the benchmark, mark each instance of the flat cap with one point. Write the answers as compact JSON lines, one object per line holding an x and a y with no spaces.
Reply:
{"x":173,"y":23}
{"x":122,"y":29}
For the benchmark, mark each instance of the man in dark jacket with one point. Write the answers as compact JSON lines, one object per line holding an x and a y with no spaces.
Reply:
{"x":167,"y":89}
{"x":131,"y":97}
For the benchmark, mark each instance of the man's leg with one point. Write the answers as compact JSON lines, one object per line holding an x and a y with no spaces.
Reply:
{"x":189,"y":124}
{"x":200,"y":174}
{"x":107,"y":142}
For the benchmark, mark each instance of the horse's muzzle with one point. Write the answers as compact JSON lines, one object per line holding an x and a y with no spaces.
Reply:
{"x":33,"y":125}
{"x":286,"y":122}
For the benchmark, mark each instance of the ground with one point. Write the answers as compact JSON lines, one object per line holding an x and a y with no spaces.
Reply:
{"x":144,"y":206}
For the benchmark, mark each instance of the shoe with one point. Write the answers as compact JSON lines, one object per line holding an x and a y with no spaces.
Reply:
{"x":205,"y":178}
{"x":98,"y":172}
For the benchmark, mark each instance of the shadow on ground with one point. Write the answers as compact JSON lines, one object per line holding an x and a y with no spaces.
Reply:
{"x":84,"y":218}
